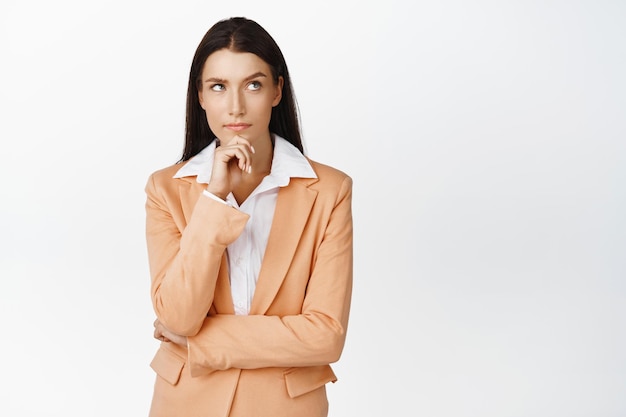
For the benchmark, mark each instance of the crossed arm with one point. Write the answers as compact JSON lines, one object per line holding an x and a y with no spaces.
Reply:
{"x":185,"y":267}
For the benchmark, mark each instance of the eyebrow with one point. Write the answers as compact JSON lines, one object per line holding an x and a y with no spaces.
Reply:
{"x":248,"y":78}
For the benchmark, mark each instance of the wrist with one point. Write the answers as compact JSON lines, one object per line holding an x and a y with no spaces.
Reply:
{"x":217,"y":193}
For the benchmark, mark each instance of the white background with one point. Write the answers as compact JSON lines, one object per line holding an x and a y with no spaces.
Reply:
{"x":487,"y":143}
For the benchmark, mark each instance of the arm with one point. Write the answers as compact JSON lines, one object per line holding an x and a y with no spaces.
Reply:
{"x":184,"y":264}
{"x":316,"y":336}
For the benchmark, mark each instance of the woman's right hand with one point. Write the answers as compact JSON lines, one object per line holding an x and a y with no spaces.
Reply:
{"x":165,"y":335}
{"x":231,"y":160}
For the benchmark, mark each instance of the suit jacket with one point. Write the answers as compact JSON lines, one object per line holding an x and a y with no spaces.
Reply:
{"x":275,"y":361}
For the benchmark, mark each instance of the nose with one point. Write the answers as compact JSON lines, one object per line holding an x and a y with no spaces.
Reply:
{"x":237,"y":103}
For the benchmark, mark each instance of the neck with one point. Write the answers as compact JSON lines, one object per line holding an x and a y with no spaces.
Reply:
{"x":263,"y":155}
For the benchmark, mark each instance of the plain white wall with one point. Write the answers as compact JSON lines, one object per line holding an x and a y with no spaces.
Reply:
{"x":487,"y":145}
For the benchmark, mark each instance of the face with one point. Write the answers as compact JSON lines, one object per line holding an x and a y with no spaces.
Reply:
{"x":237,"y":93}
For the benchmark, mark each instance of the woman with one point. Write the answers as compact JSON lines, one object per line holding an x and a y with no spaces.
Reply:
{"x":249,"y":244}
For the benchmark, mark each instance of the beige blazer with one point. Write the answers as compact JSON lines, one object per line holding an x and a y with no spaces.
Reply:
{"x":275,"y":361}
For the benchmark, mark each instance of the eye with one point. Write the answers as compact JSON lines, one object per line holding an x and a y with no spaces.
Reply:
{"x":254,"y":85}
{"x":218,"y":87}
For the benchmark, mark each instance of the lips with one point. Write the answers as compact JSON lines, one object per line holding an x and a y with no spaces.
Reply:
{"x":237,"y":127}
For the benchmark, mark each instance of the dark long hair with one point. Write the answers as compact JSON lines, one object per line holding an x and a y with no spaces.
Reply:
{"x":239,"y":34}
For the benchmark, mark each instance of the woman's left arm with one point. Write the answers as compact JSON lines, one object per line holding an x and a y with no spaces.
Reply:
{"x":316,"y":336}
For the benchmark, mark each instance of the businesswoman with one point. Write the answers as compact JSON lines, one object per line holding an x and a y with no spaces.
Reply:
{"x":249,"y":244}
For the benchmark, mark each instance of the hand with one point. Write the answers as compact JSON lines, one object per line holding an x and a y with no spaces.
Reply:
{"x":164,"y":335}
{"x":236,"y":153}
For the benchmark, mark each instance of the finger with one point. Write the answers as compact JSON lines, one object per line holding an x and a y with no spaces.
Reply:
{"x":243,"y":157}
{"x":239,"y":152}
{"x":232,"y":150}
{"x":239,"y":140}
{"x":158,"y":335}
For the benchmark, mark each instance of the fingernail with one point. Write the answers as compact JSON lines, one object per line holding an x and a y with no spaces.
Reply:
{"x":252,"y":149}
{"x":250,"y":169}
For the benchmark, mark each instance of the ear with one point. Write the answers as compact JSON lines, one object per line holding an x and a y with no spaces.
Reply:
{"x":279,"y":91}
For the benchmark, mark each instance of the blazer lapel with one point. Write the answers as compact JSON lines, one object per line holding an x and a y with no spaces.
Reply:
{"x":293,"y":206}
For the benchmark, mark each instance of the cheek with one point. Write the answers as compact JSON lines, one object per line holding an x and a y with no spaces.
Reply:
{"x":264,"y":106}
{"x":211,"y":119}
{"x":212,"y":112}
{"x":205,"y":103}
{"x":211,"y":108}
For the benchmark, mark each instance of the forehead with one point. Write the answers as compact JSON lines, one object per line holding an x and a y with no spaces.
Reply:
{"x":226,"y":64}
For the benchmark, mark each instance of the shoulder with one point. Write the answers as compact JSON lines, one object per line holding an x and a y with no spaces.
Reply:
{"x":332,"y":182}
{"x":329,"y":174}
{"x":167,"y":172}
{"x":164,"y":178}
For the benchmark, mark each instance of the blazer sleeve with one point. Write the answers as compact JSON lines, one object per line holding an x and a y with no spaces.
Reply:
{"x":314,"y":337}
{"x":182,"y":291}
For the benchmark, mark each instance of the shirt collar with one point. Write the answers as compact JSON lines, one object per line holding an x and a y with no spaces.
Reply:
{"x":287,"y":162}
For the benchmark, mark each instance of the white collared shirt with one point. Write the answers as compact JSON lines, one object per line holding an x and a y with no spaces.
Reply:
{"x":245,"y":254}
